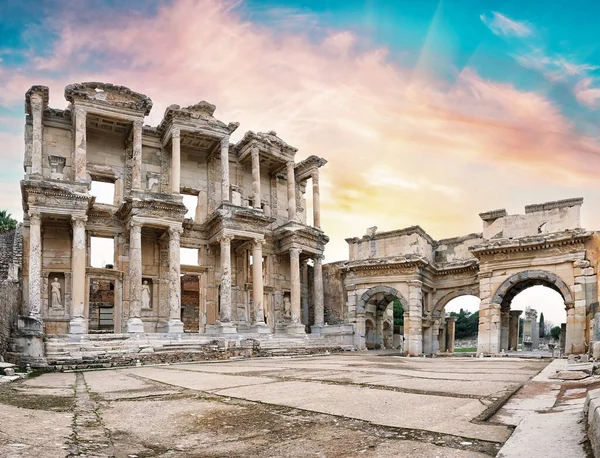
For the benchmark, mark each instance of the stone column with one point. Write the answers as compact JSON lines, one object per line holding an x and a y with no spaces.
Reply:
{"x":134,"y":323}
{"x":35,"y":264}
{"x":295,"y":327}
{"x":225,"y":324}
{"x":175,"y":160}
{"x":504,"y":329}
{"x":225,"y":169}
{"x":318,"y":301}
{"x":316,"y":200}
{"x":174,"y":324}
{"x":80,"y":156}
{"x":514,"y":329}
{"x":570,"y":344}
{"x":256,"y":177}
{"x":136,"y":172}
{"x":450,"y":332}
{"x":37,"y":108}
{"x":427,"y":338}
{"x":257,"y":287}
{"x":415,"y":321}
{"x":291,"y":191}
{"x":79,"y":322}
{"x":435,"y":336}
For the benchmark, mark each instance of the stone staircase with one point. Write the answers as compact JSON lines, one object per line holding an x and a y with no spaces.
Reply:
{"x":68,"y":352}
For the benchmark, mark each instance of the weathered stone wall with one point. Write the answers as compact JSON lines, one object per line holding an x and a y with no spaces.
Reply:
{"x":11,"y":249}
{"x":456,"y":249}
{"x":412,"y":241}
{"x":334,"y":294}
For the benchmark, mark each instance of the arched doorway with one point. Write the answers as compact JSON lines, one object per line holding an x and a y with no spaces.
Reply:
{"x":377,"y":306}
{"x":498,"y":328}
{"x":463,"y":310}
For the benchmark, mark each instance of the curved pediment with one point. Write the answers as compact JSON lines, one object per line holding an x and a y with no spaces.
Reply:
{"x":108,"y":94}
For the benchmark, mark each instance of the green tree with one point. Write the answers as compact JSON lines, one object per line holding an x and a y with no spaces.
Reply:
{"x":542,"y":326}
{"x":555,"y":332}
{"x":398,"y":313}
{"x":7,"y":222}
{"x":467,"y":323}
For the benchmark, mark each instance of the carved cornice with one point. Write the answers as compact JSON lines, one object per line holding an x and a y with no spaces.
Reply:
{"x":106,"y":94}
{"x":43,"y":91}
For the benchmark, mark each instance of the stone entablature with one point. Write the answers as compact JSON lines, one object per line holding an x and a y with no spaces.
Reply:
{"x":250,"y":206}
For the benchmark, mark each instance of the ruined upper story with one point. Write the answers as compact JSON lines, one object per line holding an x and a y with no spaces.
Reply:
{"x":101,"y":137}
{"x":540,"y":223}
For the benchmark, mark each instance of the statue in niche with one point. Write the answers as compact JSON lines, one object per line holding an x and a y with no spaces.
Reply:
{"x":56,"y":299}
{"x":146,"y":301}
{"x":287,"y":307}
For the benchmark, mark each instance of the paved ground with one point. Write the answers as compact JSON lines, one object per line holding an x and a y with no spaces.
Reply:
{"x":364,"y":404}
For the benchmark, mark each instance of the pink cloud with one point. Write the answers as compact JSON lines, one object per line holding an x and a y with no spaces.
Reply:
{"x":586,"y":94}
{"x":329,"y":97}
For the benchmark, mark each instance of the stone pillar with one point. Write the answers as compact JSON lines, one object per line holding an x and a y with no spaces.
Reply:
{"x":79,"y":322}
{"x":134,"y":323}
{"x":504,"y":329}
{"x":319,"y":301}
{"x":291,"y":191}
{"x":415,"y":319}
{"x":444,"y":337}
{"x":80,"y":156}
{"x":175,"y":160}
{"x":568,"y":331}
{"x":513,"y":325}
{"x":435,"y":337}
{"x":427,"y":337}
{"x":257,"y":287}
{"x":295,"y":327}
{"x":562,"y":342}
{"x":225,"y":324}
{"x":174,"y":324}
{"x":136,"y":172}
{"x":37,"y":108}
{"x":450,"y":333}
{"x":488,"y":338}
{"x":225,"y":169}
{"x":35,"y":264}
{"x":256,"y":177}
{"x":316,"y":200}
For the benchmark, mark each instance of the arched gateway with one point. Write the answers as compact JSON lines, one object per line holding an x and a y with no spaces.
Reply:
{"x":545,"y":246}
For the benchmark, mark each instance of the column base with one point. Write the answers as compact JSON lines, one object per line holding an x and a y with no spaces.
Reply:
{"x":78,"y":326}
{"x":226,"y":327}
{"x":260,"y":328}
{"x":316,"y":329}
{"x":135,"y":325}
{"x":296,"y":328}
{"x":174,"y":326}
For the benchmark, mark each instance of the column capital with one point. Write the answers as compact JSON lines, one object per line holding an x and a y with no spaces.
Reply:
{"x":315,"y":176}
{"x":138,"y":124}
{"x":175,"y":232}
{"x":135,"y":226}
{"x":415,"y":283}
{"x":289,"y":164}
{"x":258,"y":243}
{"x":319,"y":257}
{"x":175,"y":132}
{"x":225,"y":238}
{"x":78,"y":221}
{"x":225,"y":141}
{"x":254,"y":151}
{"x":35,"y":217}
{"x":295,"y":252}
{"x":80,"y":111}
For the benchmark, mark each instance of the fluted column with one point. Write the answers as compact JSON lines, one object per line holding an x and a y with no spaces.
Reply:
{"x":79,"y":322}
{"x":225,"y":169}
{"x":256,"y":177}
{"x":35,"y":264}
{"x":318,"y":301}
{"x":134,"y":323}
{"x":291,"y":191}
{"x":37,"y":108}
{"x":257,"y":282}
{"x":174,"y":324}
{"x":80,"y":156}
{"x":175,"y":160}
{"x":295,"y":327}
{"x":316,"y":200}
{"x":136,"y":172}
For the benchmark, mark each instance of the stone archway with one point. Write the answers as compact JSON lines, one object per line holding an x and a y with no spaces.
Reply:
{"x":499,"y":323}
{"x":372,"y":308}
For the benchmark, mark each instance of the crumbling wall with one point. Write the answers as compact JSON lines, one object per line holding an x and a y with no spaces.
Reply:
{"x":456,"y":249}
{"x":11,"y":252}
{"x":333,"y":293}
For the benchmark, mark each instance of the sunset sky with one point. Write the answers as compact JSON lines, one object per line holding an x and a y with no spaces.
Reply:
{"x":429,"y":112}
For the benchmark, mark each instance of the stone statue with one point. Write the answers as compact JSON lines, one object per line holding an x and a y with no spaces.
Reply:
{"x":287,"y":307}
{"x":146,"y":301}
{"x":56,"y":299}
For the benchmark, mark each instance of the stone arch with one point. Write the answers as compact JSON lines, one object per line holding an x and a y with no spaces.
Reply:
{"x":389,"y":294}
{"x":516,"y":283}
{"x":465,"y":291}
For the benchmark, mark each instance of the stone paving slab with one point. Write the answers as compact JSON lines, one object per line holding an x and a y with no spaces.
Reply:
{"x":432,"y":413}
